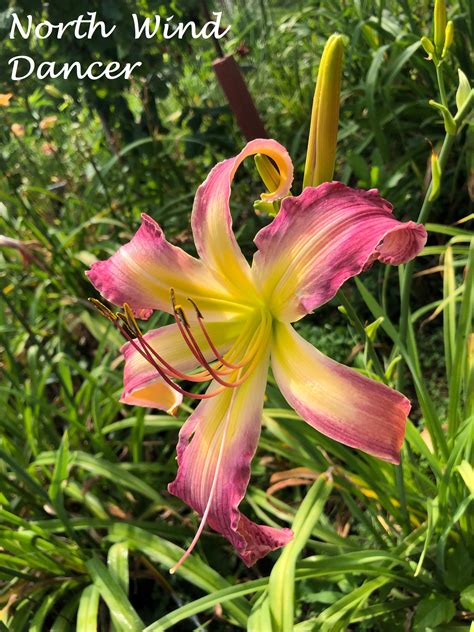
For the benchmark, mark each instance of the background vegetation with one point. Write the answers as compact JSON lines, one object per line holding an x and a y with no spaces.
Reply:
{"x":87,"y":529}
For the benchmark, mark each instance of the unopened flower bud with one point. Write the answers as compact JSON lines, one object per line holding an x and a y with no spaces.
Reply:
{"x":435,"y":176}
{"x":271,"y":180}
{"x":448,"y":38}
{"x":439,"y":25}
{"x":321,"y":154}
{"x":428,"y":46}
{"x":268,"y":173}
{"x":53,"y":91}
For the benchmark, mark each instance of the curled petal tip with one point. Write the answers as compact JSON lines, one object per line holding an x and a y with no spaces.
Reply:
{"x":322,"y":238}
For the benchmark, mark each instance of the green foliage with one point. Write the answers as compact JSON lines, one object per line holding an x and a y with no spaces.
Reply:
{"x":87,"y":529}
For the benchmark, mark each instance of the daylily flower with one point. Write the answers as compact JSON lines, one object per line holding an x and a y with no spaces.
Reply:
{"x":233,"y":320}
{"x":18,"y":130}
{"x":47,"y":122}
{"x":5,"y":99}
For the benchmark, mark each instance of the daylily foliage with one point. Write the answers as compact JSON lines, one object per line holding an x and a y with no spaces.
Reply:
{"x":233,"y":321}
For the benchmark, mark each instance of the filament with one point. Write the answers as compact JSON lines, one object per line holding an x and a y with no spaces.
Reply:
{"x":227,"y":365}
{"x":221,"y":359}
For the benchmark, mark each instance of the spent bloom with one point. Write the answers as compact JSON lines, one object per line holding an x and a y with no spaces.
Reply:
{"x":234,"y":320}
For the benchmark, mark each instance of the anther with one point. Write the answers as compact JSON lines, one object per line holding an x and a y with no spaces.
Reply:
{"x":131,"y":320}
{"x":198,"y":311}
{"x":103,"y":309}
{"x":178,"y":310}
{"x":127,"y":325}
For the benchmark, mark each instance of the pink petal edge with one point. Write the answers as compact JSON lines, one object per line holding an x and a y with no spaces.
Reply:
{"x":196,"y":453}
{"x":323,"y":237}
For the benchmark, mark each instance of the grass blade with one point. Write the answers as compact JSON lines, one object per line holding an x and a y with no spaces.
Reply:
{"x":281,"y":584}
{"x":88,"y":610}
{"x":115,"y":597}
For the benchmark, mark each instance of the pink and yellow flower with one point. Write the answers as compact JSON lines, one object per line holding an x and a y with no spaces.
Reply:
{"x":233,"y":320}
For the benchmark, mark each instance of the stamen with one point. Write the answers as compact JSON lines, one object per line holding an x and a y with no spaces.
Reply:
{"x":162,"y":373}
{"x":168,"y":368}
{"x":145,"y":353}
{"x":185,"y":330}
{"x":200,"y":318}
{"x":103,"y":309}
{"x":131,"y":320}
{"x":127,"y":325}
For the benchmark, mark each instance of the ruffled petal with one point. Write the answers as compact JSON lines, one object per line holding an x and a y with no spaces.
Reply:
{"x":211,"y":219}
{"x":142,"y":272}
{"x":143,"y":386}
{"x":336,"y":400}
{"x":322,"y":238}
{"x":235,"y":416}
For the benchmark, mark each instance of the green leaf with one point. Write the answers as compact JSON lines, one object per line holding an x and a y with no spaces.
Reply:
{"x":205,"y":603}
{"x":433,"y":515}
{"x":467,"y":598}
{"x":88,"y":610}
{"x":260,"y":617}
{"x":334,"y":617}
{"x":432,"y":611}
{"x":117,"y":561}
{"x":449,"y":122}
{"x":58,"y":482}
{"x":463,"y":91}
{"x":281,"y":585}
{"x":111,"y":471}
{"x":194,"y":571}
{"x":459,"y":568}
{"x":115,"y":597}
{"x":464,"y":328}
{"x":467,"y":472}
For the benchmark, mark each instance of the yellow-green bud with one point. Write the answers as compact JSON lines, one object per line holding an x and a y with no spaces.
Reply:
{"x":448,"y":38}
{"x":53,"y":91}
{"x":271,"y":180}
{"x":428,"y":46}
{"x":268,"y":173}
{"x":266,"y":208}
{"x":435,"y":176}
{"x":439,"y":24}
{"x":463,"y":91}
{"x":391,"y":368}
{"x":371,"y":329}
{"x":321,"y":154}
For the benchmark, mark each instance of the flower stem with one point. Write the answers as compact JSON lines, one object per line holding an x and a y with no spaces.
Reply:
{"x":442,"y":89}
{"x":379,"y":370}
{"x":407,"y":275}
